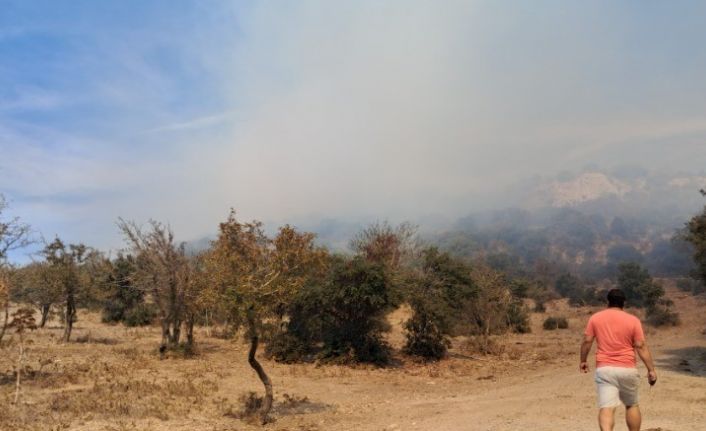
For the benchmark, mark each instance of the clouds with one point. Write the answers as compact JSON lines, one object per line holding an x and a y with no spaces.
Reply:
{"x":308,"y":109}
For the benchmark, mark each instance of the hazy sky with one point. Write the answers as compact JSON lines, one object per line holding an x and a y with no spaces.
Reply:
{"x":179,"y":110}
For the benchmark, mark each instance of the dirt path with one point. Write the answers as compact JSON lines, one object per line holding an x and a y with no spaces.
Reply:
{"x":549,"y":395}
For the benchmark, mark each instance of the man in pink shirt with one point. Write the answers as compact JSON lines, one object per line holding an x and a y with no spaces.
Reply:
{"x":618,"y":335}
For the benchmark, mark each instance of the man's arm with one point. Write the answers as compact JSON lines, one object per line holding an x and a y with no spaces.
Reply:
{"x":646,"y":356}
{"x":585,"y":349}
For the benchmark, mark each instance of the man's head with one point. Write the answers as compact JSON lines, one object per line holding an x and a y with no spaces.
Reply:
{"x":616,"y":298}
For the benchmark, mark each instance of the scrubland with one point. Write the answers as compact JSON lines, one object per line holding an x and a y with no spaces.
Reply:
{"x":112,"y":378}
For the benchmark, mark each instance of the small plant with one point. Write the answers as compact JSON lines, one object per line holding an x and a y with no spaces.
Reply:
{"x":551,"y":323}
{"x":483,"y":345}
{"x":22,"y":320}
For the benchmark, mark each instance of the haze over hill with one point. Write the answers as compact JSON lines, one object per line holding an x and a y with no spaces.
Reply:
{"x":317,"y":110}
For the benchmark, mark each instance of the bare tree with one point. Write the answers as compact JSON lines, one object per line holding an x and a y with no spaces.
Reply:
{"x":163,"y":273}
{"x":391,"y":246}
{"x":4,"y":300}
{"x":13,"y":233}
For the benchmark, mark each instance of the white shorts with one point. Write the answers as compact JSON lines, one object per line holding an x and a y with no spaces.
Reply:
{"x":616,"y":385}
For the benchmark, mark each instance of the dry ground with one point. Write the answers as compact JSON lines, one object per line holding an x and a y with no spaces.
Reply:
{"x":111,"y":378}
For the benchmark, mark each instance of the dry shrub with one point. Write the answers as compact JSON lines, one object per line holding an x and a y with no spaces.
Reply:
{"x":130,"y":398}
{"x":551,"y":323}
{"x":250,"y":405}
{"x":513,"y":353}
{"x":130,"y":353}
{"x":134,"y":398}
{"x":483,"y":346}
{"x":88,"y":339}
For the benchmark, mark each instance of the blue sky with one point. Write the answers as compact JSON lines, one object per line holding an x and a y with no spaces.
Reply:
{"x":179,"y":110}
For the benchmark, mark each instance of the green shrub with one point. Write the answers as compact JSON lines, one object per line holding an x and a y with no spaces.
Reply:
{"x":661,"y":314}
{"x":440,"y":296}
{"x":551,"y":323}
{"x":338,"y":318}
{"x":122,"y":295}
{"x":639,"y":287}
{"x":691,"y":285}
{"x":287,"y":348}
{"x":353,"y":309}
{"x":424,"y":336}
{"x":518,"y":318}
{"x":140,"y":315}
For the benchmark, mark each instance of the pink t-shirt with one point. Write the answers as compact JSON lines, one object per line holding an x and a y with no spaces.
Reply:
{"x":616,"y":333}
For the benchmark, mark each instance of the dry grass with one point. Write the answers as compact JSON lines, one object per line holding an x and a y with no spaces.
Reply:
{"x":111,"y":379}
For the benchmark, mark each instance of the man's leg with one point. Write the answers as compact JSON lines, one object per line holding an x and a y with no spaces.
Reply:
{"x":606,"y":418}
{"x":633,"y":417}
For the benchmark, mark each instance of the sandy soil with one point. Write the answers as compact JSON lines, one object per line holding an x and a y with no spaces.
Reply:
{"x":113,"y":380}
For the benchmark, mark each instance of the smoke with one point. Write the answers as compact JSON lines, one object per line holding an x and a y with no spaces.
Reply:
{"x":315,"y":109}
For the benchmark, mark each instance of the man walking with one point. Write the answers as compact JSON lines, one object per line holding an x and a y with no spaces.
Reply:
{"x":618,"y":335}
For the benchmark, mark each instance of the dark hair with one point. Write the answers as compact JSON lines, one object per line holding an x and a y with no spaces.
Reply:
{"x":616,"y":298}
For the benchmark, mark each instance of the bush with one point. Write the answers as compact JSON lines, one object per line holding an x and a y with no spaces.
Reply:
{"x":691,"y":285}
{"x":483,"y":345}
{"x":640,"y":290}
{"x":353,"y":306}
{"x":518,"y":318}
{"x":424,"y":336}
{"x":342,"y":316}
{"x":662,"y":315}
{"x":438,"y":295}
{"x":551,"y":323}
{"x":287,"y":348}
{"x":122,"y":296}
{"x":140,"y":315}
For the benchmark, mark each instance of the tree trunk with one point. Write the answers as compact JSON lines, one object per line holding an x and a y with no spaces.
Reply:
{"x":45,"y":314}
{"x":4,"y":324}
{"x":70,"y":315}
{"x":175,"y":335}
{"x":19,"y":370}
{"x":190,"y":329}
{"x":254,"y":341}
{"x":165,"y":333}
